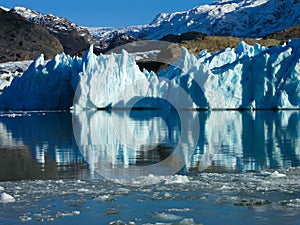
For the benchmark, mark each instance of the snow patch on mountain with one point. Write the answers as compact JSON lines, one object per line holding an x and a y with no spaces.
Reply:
{"x":5,"y":9}
{"x":241,"y":18}
{"x":53,"y":23}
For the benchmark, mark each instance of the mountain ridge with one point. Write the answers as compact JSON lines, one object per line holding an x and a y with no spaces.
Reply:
{"x":74,"y":39}
{"x":238,"y":18}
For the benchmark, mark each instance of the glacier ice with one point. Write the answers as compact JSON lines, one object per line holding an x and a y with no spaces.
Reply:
{"x":42,"y":87}
{"x":249,"y":77}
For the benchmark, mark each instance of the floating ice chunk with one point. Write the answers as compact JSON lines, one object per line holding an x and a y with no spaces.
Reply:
{"x":76,"y":212}
{"x":142,"y":180}
{"x":225,"y":187}
{"x":179,"y":210}
{"x":177,"y":179}
{"x":60,"y":182}
{"x":276,"y":174}
{"x":25,"y":218}
{"x":292,"y":203}
{"x":123,"y":191}
{"x":1,"y":188}
{"x":65,"y":214}
{"x":105,"y":198}
{"x":83,"y":190}
{"x":119,"y":222}
{"x":188,"y":221}
{"x":167,"y":216}
{"x":6,"y":198}
{"x":80,"y":182}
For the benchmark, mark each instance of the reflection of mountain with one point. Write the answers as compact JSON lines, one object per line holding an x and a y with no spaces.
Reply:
{"x":234,"y":140}
{"x":48,"y":138}
{"x":16,"y":163}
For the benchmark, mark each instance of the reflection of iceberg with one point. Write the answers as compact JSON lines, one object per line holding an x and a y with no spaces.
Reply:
{"x":6,"y":138}
{"x":157,"y":141}
{"x":142,"y":141}
{"x":249,"y":140}
{"x":275,"y":140}
{"x":236,"y":140}
{"x":222,"y":142}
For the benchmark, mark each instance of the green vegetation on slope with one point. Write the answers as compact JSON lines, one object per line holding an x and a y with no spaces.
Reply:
{"x":214,"y":43}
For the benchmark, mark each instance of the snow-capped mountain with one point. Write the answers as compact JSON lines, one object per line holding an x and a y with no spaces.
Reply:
{"x":241,"y":18}
{"x":4,"y":8}
{"x":53,"y":23}
{"x":73,"y":37}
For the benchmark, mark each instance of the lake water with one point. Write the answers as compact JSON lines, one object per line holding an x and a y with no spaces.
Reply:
{"x":150,"y":167}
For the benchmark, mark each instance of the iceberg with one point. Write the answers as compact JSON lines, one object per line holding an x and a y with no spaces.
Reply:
{"x":6,"y":198}
{"x":249,"y":77}
{"x":42,"y":86}
{"x":276,"y":174}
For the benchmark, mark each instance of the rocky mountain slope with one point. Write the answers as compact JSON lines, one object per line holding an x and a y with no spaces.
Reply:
{"x":22,"y":40}
{"x":74,"y":39}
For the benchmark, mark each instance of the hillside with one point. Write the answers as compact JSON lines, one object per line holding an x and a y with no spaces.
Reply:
{"x":74,"y":39}
{"x":21,"y":40}
{"x":286,"y":34}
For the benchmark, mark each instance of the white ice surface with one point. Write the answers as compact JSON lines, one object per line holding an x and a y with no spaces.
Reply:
{"x":6,"y":198}
{"x":251,"y":77}
{"x":276,"y":174}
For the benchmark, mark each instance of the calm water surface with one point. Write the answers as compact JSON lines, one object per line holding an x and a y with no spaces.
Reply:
{"x":112,"y":167}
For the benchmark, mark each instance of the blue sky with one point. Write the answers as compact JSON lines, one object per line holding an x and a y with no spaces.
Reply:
{"x":114,"y":13}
